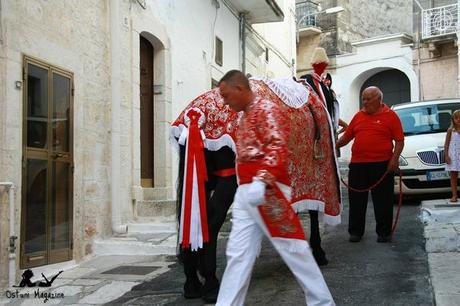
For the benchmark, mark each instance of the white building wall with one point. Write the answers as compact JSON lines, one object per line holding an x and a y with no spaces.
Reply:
{"x":370,"y":57}
{"x":53,"y":33}
{"x":75,"y":35}
{"x":185,"y":34}
{"x":280,"y":38}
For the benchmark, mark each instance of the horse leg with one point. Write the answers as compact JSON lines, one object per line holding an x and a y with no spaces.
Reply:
{"x":315,"y":239}
{"x":189,"y":259}
{"x":217,"y":209}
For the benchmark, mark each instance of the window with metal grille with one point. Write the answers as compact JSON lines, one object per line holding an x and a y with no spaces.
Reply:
{"x":219,"y":58}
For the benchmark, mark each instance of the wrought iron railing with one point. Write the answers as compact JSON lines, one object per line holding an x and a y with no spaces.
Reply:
{"x":306,"y":12}
{"x":439,"y":21}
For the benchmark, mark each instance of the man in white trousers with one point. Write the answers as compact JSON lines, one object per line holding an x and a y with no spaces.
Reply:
{"x":262,"y":201}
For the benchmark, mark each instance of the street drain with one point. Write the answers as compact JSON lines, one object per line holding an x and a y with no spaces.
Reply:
{"x":446,"y":205}
{"x":132,"y":270}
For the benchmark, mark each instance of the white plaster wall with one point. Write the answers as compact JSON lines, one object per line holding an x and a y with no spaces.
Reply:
{"x":282,"y":36}
{"x":75,"y":35}
{"x":52,"y":32}
{"x":183,"y":34}
{"x":354,"y":69}
{"x":187,"y":33}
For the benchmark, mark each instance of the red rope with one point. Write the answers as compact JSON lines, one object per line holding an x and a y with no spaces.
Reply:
{"x":393,"y":228}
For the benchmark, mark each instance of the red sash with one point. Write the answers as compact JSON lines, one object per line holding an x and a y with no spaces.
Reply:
{"x":279,"y":217}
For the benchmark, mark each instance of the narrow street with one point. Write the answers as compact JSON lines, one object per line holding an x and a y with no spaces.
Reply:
{"x":364,"y":273}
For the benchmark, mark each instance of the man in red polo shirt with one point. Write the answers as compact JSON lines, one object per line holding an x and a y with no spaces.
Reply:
{"x":374,"y":129}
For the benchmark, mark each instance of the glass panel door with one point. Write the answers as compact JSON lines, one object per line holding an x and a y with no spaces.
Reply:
{"x":61,"y":200}
{"x":48,"y":172}
{"x":37,"y":107}
{"x":35,"y":227}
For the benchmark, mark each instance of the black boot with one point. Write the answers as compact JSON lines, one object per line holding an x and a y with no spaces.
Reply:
{"x":192,"y":288}
{"x":210,"y":289}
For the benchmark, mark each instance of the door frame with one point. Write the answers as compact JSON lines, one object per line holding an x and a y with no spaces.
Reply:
{"x":44,"y":154}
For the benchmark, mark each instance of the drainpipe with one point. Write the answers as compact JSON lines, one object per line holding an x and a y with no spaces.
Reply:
{"x":13,"y":237}
{"x":115,"y":43}
{"x":243,"y":41}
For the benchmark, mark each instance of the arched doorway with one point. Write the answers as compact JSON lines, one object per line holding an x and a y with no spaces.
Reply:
{"x":146,"y":112}
{"x":394,"y":84}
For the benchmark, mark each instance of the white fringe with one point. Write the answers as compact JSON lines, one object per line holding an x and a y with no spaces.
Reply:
{"x":332,"y":220}
{"x":289,"y":91}
{"x":173,"y":142}
{"x":305,"y":205}
{"x":178,"y":136}
{"x":217,"y":144}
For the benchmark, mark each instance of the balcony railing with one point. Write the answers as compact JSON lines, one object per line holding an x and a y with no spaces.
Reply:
{"x":439,"y":21}
{"x":306,"y":14}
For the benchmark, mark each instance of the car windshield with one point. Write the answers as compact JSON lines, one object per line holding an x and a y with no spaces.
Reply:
{"x":427,"y":119}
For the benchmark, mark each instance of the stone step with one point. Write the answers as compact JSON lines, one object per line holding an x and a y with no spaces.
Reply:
{"x":152,"y":227}
{"x":157,"y":193}
{"x":155,"y":209}
{"x":442,"y":226}
{"x":141,"y":244}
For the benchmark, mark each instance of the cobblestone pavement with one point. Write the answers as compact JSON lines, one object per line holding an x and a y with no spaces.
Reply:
{"x":364,"y":273}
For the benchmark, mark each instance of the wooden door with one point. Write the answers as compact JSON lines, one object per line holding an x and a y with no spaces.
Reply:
{"x":146,"y":112}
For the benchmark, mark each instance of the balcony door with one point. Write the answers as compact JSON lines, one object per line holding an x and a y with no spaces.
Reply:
{"x":46,"y":217}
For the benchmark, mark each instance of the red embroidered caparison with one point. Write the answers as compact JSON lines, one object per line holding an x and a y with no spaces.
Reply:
{"x":314,"y":181}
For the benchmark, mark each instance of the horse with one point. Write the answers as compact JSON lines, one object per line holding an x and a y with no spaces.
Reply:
{"x":204,"y":134}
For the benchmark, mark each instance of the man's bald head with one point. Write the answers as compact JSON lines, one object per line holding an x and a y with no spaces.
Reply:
{"x":235,"y":90}
{"x":234,"y":78}
{"x":375,"y":90}
{"x":372,"y":98}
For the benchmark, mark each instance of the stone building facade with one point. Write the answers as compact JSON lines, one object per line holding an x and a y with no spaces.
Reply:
{"x":359,"y":20}
{"x":82,"y":82}
{"x":436,"y":58}
{"x":381,"y":43}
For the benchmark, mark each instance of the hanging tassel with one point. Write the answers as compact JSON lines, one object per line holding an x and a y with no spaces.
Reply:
{"x":194,"y":226}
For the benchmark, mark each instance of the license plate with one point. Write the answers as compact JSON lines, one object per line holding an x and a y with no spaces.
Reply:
{"x":437,"y":175}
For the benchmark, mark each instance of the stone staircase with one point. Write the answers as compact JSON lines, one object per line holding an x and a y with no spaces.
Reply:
{"x":152,"y":232}
{"x":155,"y":237}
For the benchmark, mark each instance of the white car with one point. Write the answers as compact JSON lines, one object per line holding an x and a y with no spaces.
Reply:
{"x":422,"y":160}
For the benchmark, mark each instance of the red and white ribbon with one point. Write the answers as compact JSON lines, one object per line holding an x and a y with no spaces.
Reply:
{"x":193,"y":224}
